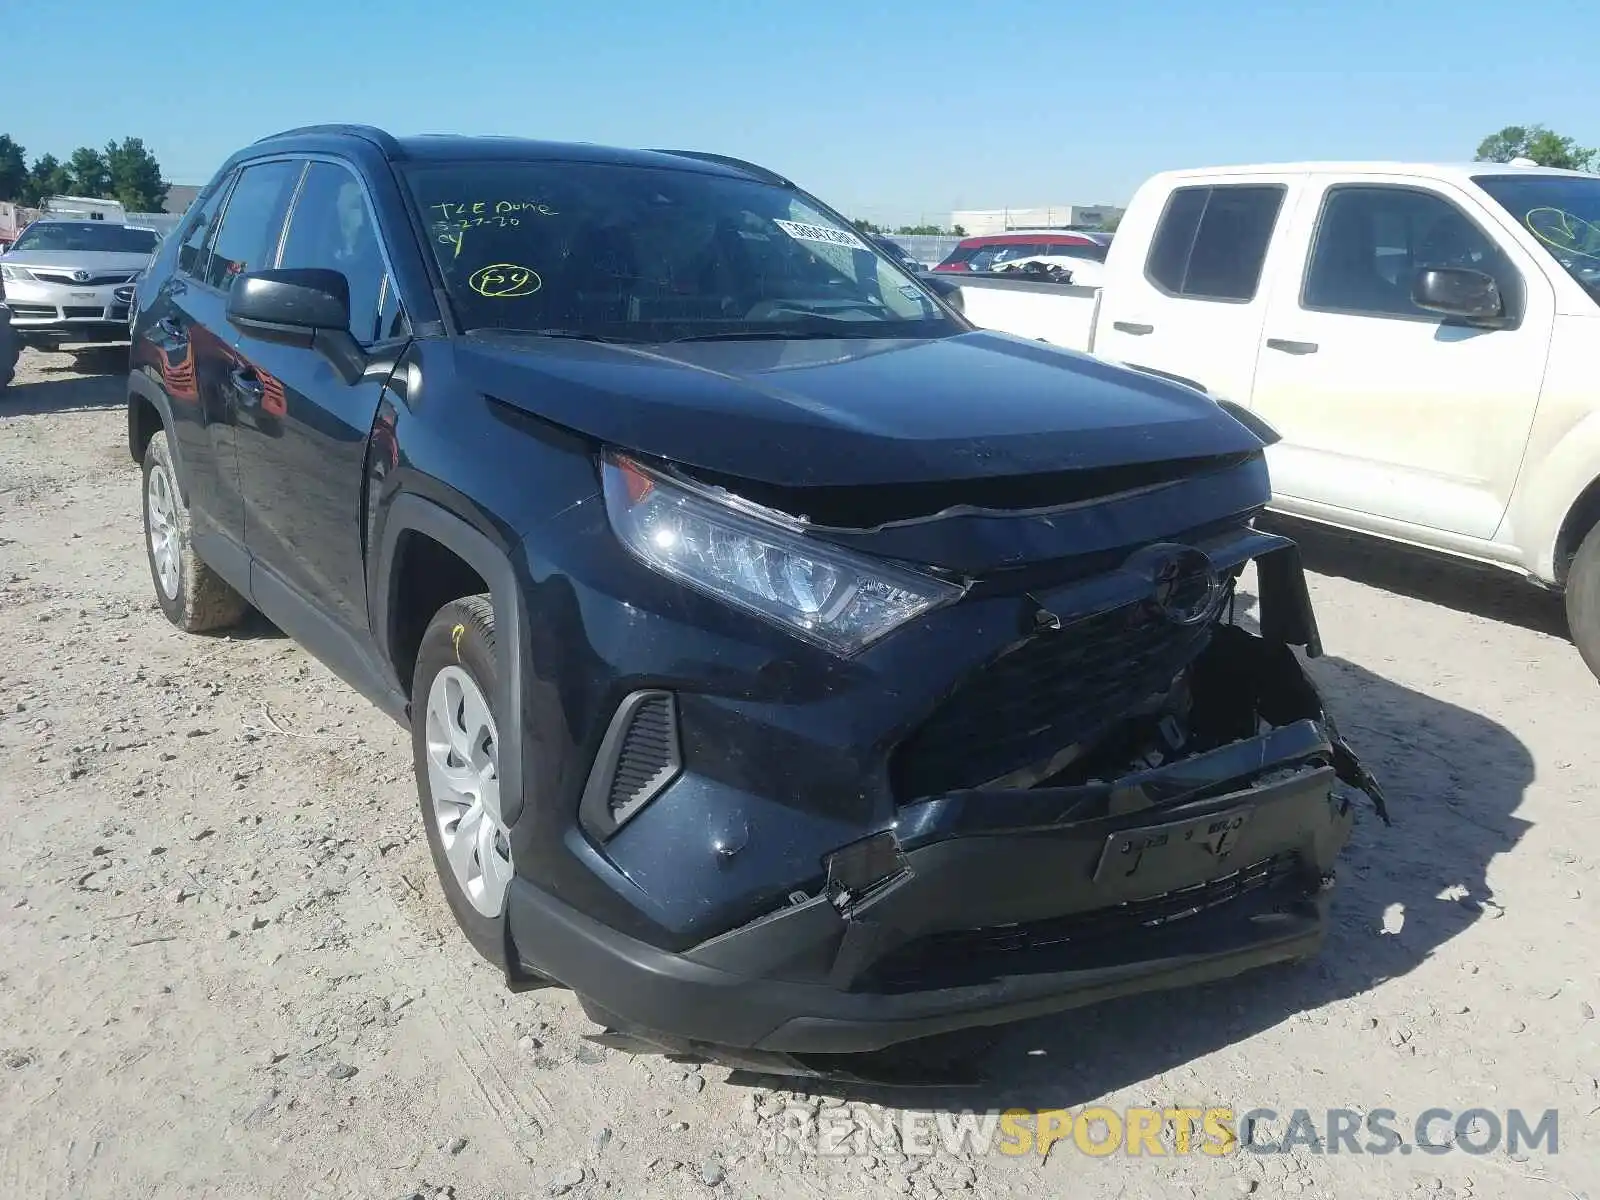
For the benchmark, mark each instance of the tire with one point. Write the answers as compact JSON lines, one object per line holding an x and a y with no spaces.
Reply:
{"x":455,"y":751}
{"x":1583,"y":600}
{"x":193,"y":596}
{"x":10,"y":351}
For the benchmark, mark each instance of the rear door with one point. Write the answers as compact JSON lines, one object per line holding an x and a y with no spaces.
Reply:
{"x":1194,"y":308}
{"x":186,"y":320}
{"x":1395,"y":419}
{"x":245,"y":236}
{"x":305,"y":431}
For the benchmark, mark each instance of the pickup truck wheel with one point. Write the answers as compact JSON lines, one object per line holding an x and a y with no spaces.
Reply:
{"x":193,"y":596}
{"x":455,"y":743}
{"x":1583,"y":600}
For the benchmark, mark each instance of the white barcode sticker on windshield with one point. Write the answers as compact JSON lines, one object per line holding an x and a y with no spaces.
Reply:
{"x":820,"y":233}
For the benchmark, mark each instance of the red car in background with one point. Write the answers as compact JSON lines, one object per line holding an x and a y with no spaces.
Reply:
{"x":988,"y":251}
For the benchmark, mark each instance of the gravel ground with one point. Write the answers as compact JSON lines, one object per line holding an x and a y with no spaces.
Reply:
{"x":226,"y":968}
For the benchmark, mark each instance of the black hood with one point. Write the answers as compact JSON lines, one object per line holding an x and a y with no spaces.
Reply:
{"x":856,"y":412}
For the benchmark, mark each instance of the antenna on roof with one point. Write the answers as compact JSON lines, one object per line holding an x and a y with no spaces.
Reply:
{"x":1521,"y":161}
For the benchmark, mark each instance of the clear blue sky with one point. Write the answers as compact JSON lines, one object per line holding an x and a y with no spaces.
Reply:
{"x":888,"y":111}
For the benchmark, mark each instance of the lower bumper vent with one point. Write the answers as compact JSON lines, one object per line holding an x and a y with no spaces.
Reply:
{"x":638,"y":757}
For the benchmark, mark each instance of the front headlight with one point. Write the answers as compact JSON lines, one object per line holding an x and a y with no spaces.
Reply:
{"x":761,"y":563}
{"x":15,"y":274}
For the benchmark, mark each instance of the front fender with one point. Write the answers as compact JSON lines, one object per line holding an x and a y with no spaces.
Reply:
{"x":1550,"y":485}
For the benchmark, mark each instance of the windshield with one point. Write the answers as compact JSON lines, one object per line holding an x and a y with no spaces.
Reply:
{"x":648,"y":254}
{"x":1563,"y":212}
{"x":85,"y":235}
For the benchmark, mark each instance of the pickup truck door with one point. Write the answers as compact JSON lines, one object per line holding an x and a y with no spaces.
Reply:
{"x":1194,"y":307}
{"x":1393,"y":419}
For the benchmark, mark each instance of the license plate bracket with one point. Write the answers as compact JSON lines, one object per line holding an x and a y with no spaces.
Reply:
{"x":1197,"y":845}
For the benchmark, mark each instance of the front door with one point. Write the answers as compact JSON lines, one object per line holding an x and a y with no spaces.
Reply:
{"x":1391,"y":415}
{"x":304,"y":429}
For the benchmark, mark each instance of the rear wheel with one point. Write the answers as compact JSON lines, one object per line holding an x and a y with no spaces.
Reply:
{"x":455,"y":741}
{"x":1583,"y":600}
{"x":10,"y":350}
{"x":193,"y":596}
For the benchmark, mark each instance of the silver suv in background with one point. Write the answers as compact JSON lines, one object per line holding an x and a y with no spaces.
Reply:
{"x":72,"y":281}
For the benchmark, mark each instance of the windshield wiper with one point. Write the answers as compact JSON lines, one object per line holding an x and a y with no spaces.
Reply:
{"x":845,"y":330}
{"x":576,"y":335}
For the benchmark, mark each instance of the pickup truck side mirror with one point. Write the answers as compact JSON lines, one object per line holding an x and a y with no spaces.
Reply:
{"x":299,"y":306}
{"x":1458,"y":292}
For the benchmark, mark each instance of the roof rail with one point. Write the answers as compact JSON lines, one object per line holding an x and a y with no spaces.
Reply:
{"x":378,"y":137}
{"x":728,"y":161}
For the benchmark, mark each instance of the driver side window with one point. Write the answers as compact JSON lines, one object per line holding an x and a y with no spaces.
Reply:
{"x":333,"y":227}
{"x":1372,"y":241}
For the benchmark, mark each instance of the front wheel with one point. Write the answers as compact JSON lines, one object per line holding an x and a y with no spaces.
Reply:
{"x":455,"y":743}
{"x":1583,"y":600}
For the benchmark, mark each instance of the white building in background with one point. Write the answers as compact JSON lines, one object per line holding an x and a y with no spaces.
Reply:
{"x":977,"y":221}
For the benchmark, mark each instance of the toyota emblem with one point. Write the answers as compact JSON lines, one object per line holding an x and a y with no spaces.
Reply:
{"x":1184,"y":586}
{"x":80,"y":277}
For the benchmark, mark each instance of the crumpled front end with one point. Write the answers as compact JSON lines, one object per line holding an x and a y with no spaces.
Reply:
{"x":1194,"y":836}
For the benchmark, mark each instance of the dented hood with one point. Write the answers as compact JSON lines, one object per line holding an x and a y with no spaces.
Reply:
{"x":855,"y":412}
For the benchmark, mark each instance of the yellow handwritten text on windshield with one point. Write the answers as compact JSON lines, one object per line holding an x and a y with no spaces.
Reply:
{"x":504,"y":281}
{"x":1565,"y":231}
{"x":458,"y":217}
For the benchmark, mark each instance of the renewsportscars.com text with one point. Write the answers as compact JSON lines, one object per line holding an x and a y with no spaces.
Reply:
{"x":1214,"y":1131}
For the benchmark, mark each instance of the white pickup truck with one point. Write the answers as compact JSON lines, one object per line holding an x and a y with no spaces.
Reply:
{"x":1424,"y":341}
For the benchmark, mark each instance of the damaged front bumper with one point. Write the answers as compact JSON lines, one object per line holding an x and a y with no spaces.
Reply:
{"x":989,"y":905}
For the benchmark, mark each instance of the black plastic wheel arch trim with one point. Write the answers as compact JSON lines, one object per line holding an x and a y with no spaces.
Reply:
{"x":410,"y":513}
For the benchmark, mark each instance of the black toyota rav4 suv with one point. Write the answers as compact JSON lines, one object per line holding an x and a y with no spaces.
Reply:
{"x":792,"y":669}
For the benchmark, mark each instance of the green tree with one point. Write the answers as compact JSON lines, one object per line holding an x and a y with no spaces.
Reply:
{"x":958,"y":231}
{"x":13,"y":169}
{"x":135,"y":176}
{"x":90,"y":175}
{"x":865,"y":226}
{"x":49,"y":177}
{"x":1535,"y":142}
{"x":1110,"y":225}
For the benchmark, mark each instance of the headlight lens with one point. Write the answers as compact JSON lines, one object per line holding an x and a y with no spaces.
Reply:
{"x":15,"y":274}
{"x":756,"y":561}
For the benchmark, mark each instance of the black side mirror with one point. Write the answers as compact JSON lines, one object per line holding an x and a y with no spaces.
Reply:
{"x":1458,"y":292}
{"x":299,"y":306}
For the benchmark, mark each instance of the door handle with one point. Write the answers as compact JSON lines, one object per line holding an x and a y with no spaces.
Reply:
{"x":1289,"y":347}
{"x":1137,"y":328}
{"x":248,"y":385}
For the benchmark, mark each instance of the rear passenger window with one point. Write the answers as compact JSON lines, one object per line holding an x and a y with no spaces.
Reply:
{"x":197,"y":232}
{"x":248,"y":239}
{"x":1212,"y":241}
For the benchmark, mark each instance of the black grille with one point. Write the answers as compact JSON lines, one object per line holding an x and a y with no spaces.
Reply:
{"x":982,"y":951}
{"x":649,"y":755}
{"x":65,"y":277}
{"x":33,"y":310}
{"x":84,"y":310}
{"x":1057,"y":689}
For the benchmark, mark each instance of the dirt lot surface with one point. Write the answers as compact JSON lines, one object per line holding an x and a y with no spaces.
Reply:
{"x":226,"y":969}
